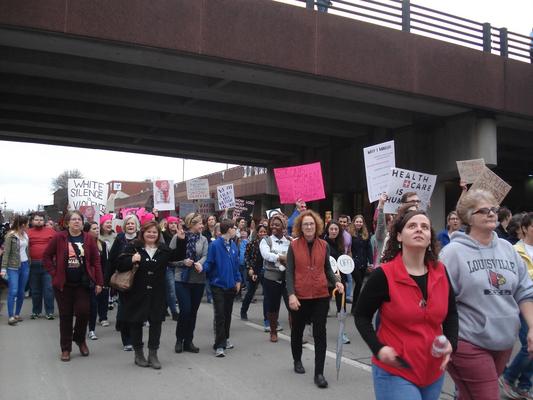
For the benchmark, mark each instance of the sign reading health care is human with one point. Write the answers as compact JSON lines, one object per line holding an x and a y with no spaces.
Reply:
{"x":404,"y":181}
{"x":87,"y":193}
{"x":226,"y":196}
{"x":302,"y":182}
{"x":379,"y":159}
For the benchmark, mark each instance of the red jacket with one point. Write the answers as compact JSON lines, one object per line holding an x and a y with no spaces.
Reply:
{"x":56,"y":254}
{"x":310,"y":281}
{"x":410,"y":326}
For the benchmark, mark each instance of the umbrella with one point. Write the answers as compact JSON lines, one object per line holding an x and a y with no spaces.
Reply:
{"x":341,"y":317}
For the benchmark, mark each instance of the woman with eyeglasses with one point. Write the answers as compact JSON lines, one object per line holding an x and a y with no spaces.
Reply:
{"x":492,"y":288}
{"x":453,"y":224}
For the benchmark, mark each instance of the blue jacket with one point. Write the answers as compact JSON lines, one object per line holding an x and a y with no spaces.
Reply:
{"x":242,"y":251}
{"x":221,"y":266}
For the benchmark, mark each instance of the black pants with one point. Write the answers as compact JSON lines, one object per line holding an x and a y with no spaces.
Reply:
{"x":223,"y":307}
{"x":273,"y":292}
{"x":154,"y":334}
{"x":316,"y":311}
{"x":358,"y":276}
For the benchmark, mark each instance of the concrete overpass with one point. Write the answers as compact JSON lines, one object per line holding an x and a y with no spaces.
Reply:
{"x":260,"y":83}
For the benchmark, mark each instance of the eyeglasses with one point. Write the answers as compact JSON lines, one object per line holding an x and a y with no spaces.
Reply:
{"x":487,"y":210}
{"x":308,"y":224}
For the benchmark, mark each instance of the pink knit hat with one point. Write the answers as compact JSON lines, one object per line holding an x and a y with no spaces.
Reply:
{"x":172,"y":220}
{"x":147,"y":218}
{"x":106,"y":217}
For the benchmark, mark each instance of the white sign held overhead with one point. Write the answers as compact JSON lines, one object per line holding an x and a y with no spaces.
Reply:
{"x":87,"y":193}
{"x":405,"y":181}
{"x":379,"y":159}
{"x":164,"y":195}
{"x":225,"y":196}
{"x":197,"y":189}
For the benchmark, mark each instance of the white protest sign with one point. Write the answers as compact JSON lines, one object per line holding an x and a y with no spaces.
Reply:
{"x":345,"y":264}
{"x":405,"y":181}
{"x":164,"y":195}
{"x":492,"y":183}
{"x":469,"y":170}
{"x":226,"y":196}
{"x":379,"y":159}
{"x":85,"y":193}
{"x":272,"y":212}
{"x":197,"y":189}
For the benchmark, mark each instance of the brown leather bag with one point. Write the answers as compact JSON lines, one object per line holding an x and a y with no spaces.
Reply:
{"x":123,"y":281}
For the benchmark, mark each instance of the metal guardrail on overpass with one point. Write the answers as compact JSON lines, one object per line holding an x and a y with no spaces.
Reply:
{"x":410,"y":17}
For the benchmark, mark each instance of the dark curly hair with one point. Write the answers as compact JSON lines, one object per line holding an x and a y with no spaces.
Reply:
{"x":393,"y":246}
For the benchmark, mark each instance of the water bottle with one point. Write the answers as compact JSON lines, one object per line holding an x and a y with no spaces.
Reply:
{"x":439,"y":346}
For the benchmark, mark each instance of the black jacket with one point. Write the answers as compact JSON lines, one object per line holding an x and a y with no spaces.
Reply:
{"x":361,"y":252}
{"x":146,"y":300}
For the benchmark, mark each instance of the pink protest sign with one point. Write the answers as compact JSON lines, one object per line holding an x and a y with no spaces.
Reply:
{"x":300,"y":182}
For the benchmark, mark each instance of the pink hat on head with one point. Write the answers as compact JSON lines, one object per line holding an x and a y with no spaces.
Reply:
{"x":172,"y":220}
{"x":106,"y":217}
{"x":147,"y":218}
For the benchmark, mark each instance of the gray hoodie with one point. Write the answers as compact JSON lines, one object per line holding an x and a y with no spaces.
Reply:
{"x":489,"y":282}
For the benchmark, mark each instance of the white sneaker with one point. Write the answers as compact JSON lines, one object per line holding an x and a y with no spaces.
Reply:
{"x":92,"y":335}
{"x":345,"y":339}
{"x":104,"y":323}
{"x":229,"y":345}
{"x":220,"y":352}
{"x":128,"y":347}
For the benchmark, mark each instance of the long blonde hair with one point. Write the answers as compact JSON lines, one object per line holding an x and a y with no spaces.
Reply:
{"x":364,"y":230}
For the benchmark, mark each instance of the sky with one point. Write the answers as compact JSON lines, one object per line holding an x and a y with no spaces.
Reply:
{"x":28,"y":169}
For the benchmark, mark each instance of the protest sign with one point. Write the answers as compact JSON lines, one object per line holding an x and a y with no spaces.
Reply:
{"x":379,"y":159}
{"x":164,"y":195}
{"x":85,"y":193}
{"x":225,"y":196}
{"x":469,"y":170}
{"x":197,"y":189}
{"x":274,"y":211}
{"x":243,"y":208}
{"x":492,"y":183}
{"x":300,"y":182}
{"x":206,"y":207}
{"x":403,"y":181}
{"x":186,"y":207}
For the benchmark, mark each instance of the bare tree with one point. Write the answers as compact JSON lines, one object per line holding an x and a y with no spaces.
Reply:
{"x":61,"y":182}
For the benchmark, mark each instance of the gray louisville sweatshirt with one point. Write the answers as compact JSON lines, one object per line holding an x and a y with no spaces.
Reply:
{"x":489,"y":283}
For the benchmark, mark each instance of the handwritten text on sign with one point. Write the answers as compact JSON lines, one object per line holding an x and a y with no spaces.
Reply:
{"x":300,"y":182}
{"x":226,"y":196}
{"x":405,"y":181}
{"x":469,"y":170}
{"x":197,"y":189}
{"x":84,"y":192}
{"x":492,"y":183}
{"x":379,"y":159}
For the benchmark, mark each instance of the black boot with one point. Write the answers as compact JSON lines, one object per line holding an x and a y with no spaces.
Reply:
{"x":178,"y":348}
{"x":320,"y":381}
{"x":139,"y":357}
{"x":153,"y":361}
{"x":190,"y":347}
{"x":298,"y":367}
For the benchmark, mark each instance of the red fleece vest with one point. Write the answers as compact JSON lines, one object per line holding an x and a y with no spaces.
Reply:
{"x":409,"y":325}
{"x":310,"y":281}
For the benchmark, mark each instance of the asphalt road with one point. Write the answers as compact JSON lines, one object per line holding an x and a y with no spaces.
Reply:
{"x":255,"y":369}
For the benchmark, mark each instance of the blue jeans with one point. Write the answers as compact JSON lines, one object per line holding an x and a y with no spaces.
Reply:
{"x":18,"y":277}
{"x":251,"y":288}
{"x":392,"y":387}
{"x":189,"y":298}
{"x":171,"y":289}
{"x":41,"y":289}
{"x":521,"y":368}
{"x":349,"y":285}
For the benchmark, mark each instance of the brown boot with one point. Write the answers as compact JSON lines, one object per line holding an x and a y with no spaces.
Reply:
{"x":84,"y":350}
{"x":273,"y":320}
{"x":65,"y":355}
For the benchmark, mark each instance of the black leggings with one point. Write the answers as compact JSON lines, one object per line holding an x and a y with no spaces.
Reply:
{"x":274,"y":291}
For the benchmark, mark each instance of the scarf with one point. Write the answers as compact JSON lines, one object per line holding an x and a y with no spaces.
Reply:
{"x":190,"y":252}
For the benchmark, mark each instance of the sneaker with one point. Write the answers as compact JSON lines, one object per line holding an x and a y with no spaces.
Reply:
{"x":50,"y":317}
{"x":345,"y":339}
{"x":110,"y":306}
{"x":266,"y":326}
{"x":12,"y":321}
{"x":92,"y":335}
{"x":128,"y":347}
{"x":35,"y":316}
{"x":507,"y":388}
{"x":219,"y":352}
{"x":229,"y":345}
{"x":104,"y":323}
{"x":18,"y":318}
{"x":524,"y":394}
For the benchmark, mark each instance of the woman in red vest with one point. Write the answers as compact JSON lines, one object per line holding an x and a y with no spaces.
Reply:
{"x":416,"y":304}
{"x":308,"y":276}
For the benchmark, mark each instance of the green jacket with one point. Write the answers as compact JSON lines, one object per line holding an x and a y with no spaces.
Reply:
{"x":11,"y":257}
{"x":520,"y":248}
